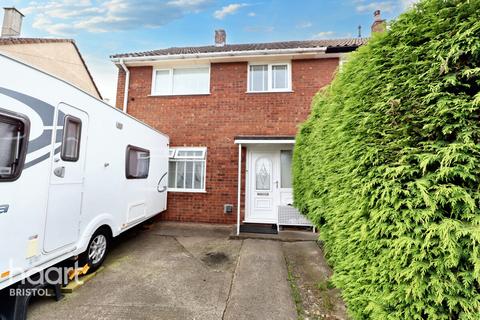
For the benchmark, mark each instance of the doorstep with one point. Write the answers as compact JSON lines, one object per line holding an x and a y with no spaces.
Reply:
{"x":284,"y":236}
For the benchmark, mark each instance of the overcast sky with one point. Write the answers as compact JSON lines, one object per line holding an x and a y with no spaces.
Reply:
{"x":102,"y":28}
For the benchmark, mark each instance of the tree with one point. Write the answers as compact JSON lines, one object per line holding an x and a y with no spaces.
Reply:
{"x":388,"y":167}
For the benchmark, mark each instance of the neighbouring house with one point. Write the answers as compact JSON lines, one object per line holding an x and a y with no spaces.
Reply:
{"x":58,"y":57}
{"x":232,"y":112}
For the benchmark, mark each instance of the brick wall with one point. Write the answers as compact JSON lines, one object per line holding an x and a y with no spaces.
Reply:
{"x":214,"y":120}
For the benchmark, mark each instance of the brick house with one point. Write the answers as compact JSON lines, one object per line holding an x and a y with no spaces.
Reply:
{"x":58,"y":57}
{"x":227,"y":107}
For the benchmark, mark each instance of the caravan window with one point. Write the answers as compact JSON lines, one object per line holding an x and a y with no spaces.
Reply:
{"x":138,"y":163}
{"x":72,"y":131}
{"x":14,"y":130}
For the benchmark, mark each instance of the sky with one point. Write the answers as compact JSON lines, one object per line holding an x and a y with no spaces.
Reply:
{"x":105,"y":27}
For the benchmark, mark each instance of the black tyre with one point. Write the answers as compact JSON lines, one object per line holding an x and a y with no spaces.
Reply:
{"x":96,"y":251}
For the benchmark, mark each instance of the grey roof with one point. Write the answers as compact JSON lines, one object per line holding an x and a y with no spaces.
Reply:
{"x":331,"y":45}
{"x":10,"y":41}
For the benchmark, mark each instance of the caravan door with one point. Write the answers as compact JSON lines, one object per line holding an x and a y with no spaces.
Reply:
{"x":66,"y":182}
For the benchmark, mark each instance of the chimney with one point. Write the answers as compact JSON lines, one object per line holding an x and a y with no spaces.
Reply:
{"x":220,"y":38}
{"x":379,"y":24}
{"x":12,"y":23}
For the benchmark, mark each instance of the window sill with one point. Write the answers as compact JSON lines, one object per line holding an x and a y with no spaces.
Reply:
{"x":186,"y":190}
{"x":180,"y":94}
{"x":283,"y":91}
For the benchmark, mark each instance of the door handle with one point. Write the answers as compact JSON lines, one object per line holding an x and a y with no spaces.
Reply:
{"x":276,"y":183}
{"x":59,"y":172}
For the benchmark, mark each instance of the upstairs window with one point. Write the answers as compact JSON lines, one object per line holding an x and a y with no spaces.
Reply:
{"x":14,"y":131}
{"x":269,"y":77}
{"x":187,"y":169}
{"x":181,"y":81}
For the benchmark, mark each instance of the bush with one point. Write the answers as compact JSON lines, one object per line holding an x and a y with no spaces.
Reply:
{"x":388,"y":166}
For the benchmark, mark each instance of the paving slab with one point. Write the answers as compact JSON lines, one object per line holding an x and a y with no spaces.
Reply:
{"x":311,"y":272}
{"x":260,"y":289}
{"x":186,"y":229}
{"x":217,"y":253}
{"x":181,"y":271}
{"x":284,"y":236}
{"x":148,"y":277}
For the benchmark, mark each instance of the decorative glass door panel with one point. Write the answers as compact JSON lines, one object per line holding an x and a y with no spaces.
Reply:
{"x":263,"y":174}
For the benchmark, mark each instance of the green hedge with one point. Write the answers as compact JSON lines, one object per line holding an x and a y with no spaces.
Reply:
{"x":388,"y":166}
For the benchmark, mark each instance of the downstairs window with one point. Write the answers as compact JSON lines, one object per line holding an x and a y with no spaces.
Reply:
{"x":187,"y":169}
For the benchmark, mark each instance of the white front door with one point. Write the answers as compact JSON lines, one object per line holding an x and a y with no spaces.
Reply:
{"x":269,"y":183}
{"x":66,"y":182}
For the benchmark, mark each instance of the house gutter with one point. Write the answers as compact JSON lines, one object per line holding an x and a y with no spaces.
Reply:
{"x":222,"y":54}
{"x":127,"y":84}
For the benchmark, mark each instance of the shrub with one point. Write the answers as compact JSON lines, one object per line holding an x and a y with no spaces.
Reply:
{"x":388,"y":166}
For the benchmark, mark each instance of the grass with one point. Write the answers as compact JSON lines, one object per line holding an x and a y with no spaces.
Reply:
{"x":323,"y":291}
{"x":297,"y":297}
{"x":324,"y":286}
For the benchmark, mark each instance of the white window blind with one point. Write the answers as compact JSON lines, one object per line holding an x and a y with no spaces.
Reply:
{"x":181,"y":81}
{"x":279,"y":77}
{"x":193,"y":81}
{"x":163,"y":82}
{"x":138,"y":163}
{"x":258,"y":78}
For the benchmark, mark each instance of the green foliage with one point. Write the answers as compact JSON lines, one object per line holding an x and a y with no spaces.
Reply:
{"x":388,"y":166}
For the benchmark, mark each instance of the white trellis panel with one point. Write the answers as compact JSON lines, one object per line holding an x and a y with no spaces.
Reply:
{"x":290,"y":216}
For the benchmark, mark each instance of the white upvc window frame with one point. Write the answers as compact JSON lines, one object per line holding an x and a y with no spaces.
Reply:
{"x":342,"y":59}
{"x":173,"y":156}
{"x":269,"y":76}
{"x":170,"y":72}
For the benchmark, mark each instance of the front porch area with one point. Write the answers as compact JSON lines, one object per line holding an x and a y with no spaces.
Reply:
{"x":265,"y":167}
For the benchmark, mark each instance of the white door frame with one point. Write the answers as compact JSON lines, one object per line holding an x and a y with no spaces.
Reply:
{"x":276,"y":175}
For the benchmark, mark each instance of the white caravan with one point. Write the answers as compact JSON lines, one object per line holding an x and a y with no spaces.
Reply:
{"x":74,"y":172}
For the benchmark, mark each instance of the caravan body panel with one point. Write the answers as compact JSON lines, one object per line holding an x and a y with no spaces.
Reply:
{"x":67,"y":190}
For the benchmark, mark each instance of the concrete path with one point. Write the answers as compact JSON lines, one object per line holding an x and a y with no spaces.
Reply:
{"x":181,"y":271}
{"x":311,"y":272}
{"x":151,"y":277}
{"x":260,"y":289}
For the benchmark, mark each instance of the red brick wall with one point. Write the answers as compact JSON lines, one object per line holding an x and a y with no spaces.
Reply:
{"x":214,"y":120}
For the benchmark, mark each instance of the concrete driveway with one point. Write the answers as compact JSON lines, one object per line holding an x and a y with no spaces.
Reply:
{"x":182,"y":271}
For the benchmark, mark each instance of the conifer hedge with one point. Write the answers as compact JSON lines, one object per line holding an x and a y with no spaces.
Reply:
{"x":388,"y":166}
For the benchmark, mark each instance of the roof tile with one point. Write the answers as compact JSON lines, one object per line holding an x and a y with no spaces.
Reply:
{"x":10,"y":41}
{"x":330,"y":43}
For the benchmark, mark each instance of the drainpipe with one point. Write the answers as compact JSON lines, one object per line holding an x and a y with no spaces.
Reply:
{"x":127,"y":84}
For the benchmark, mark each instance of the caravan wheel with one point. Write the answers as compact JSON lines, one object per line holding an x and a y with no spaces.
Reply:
{"x":96,"y":251}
